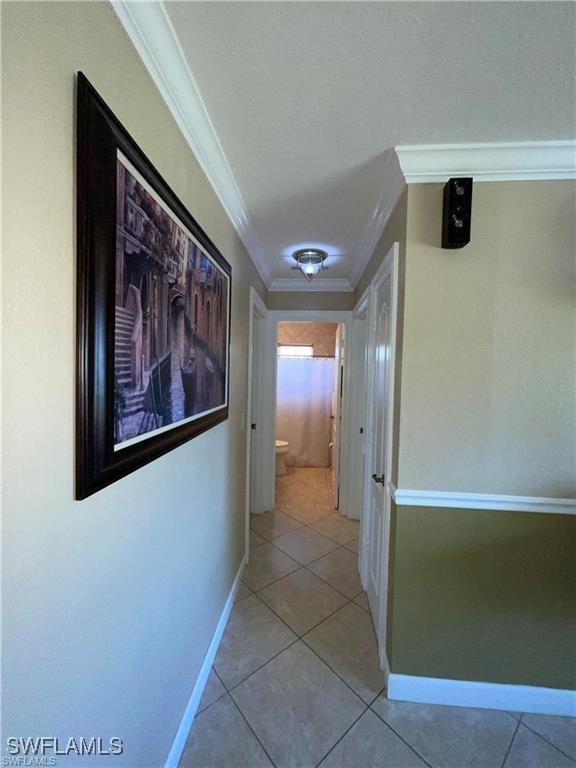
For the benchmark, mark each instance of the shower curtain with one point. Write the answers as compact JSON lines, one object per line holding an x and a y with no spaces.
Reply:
{"x":303,"y":407}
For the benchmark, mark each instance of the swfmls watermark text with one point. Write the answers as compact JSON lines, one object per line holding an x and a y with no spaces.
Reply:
{"x":45,"y":750}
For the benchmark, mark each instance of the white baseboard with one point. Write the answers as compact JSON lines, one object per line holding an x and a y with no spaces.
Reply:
{"x":190,"y":712}
{"x":467,"y":693}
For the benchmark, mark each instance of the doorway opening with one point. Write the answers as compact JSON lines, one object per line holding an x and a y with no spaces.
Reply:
{"x":322,"y":503}
{"x":309,"y":367}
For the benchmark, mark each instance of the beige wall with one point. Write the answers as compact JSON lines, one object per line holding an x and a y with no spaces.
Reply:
{"x":109,"y":604}
{"x":489,"y":344}
{"x":484,"y":595}
{"x":314,"y":300}
{"x":322,"y":336}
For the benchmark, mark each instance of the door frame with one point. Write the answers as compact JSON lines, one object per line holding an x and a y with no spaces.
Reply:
{"x":358,"y":384}
{"x":267,"y":401}
{"x":336,"y":412}
{"x":390,"y":266}
{"x":256,"y":314}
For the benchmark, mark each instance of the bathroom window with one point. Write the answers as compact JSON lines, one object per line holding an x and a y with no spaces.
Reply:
{"x":295,"y":350}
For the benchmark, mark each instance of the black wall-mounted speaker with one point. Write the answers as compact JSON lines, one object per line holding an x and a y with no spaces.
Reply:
{"x":457,"y":213}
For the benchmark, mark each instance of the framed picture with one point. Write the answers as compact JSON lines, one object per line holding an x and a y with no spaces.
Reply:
{"x":153,"y":308}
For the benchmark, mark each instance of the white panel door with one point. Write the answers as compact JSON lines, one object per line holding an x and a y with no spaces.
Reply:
{"x":255,"y":426}
{"x":378,"y":496}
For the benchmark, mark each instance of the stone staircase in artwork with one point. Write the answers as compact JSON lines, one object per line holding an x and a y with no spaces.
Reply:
{"x":123,"y":360}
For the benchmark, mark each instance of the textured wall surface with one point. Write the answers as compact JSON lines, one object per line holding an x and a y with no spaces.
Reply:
{"x":322,"y":336}
{"x":109,"y":604}
{"x":488,"y":367}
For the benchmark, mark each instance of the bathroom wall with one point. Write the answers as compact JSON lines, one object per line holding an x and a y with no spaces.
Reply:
{"x":304,"y":390}
{"x":322,"y":336}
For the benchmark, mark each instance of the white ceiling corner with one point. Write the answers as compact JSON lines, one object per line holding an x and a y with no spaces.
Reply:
{"x":243,"y":81}
{"x":502,"y":161}
{"x":392,"y":186}
{"x":153,"y":36}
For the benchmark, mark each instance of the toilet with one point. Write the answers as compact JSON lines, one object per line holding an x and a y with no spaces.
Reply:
{"x":282,"y":448}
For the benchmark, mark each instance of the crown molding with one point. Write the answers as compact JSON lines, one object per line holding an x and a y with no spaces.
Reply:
{"x":393,"y":184}
{"x":152,"y":34}
{"x":514,"y":161}
{"x":331,"y":284}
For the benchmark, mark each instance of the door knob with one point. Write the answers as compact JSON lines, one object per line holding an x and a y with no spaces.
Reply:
{"x":378,"y":479}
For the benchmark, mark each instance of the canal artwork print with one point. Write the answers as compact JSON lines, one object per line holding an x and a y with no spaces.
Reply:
{"x":171,"y":317}
{"x":154,"y":298}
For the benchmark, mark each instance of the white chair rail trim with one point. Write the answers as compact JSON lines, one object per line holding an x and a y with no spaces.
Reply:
{"x":405,"y":497}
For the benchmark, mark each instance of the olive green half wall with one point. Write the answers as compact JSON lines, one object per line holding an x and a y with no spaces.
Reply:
{"x":483,"y":595}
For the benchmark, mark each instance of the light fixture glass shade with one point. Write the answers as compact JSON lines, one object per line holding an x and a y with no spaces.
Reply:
{"x":309,"y":261}
{"x":310,"y":271}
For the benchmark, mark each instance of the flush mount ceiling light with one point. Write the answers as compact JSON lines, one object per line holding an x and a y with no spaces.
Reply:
{"x":309,"y":261}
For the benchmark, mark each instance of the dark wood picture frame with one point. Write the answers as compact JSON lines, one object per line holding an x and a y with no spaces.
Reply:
{"x":100,"y":137}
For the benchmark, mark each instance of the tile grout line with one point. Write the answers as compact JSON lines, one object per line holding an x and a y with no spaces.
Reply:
{"x":275,"y":580}
{"x":348,"y":600}
{"x":293,"y":642}
{"x":305,"y":565}
{"x":243,"y":716}
{"x":319,"y":519}
{"x":511,"y":742}
{"x":305,"y":525}
{"x":333,"y":587}
{"x":303,"y":636}
{"x":300,"y":637}
{"x":207,"y":707}
{"x":219,"y":678}
{"x":521,"y":722}
{"x":277,"y":614}
{"x":301,"y":565}
{"x":340,"y":677}
{"x":346,"y":732}
{"x":295,"y":530}
{"x":400,"y":736}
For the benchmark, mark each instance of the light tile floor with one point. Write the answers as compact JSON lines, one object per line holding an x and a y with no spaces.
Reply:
{"x":296,"y":682}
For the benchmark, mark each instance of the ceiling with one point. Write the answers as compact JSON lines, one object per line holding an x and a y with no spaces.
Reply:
{"x":305,"y":102}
